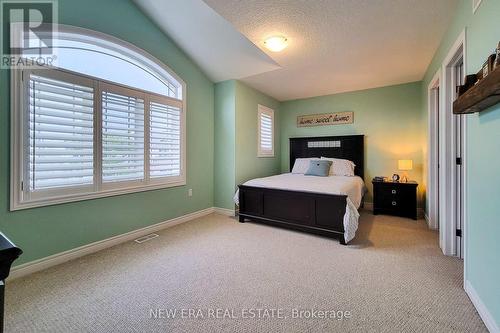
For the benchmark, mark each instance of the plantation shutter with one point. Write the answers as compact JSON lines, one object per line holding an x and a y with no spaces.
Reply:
{"x":122,"y":137}
{"x":165,"y":140}
{"x":60,"y":136}
{"x":266,"y":118}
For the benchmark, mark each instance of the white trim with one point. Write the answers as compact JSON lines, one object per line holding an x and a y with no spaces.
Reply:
{"x":59,"y":258}
{"x":225,"y":211}
{"x":427,"y":220}
{"x":447,"y":171}
{"x":433,"y":157}
{"x":476,"y":5}
{"x":485,"y":315}
{"x":261,"y":109}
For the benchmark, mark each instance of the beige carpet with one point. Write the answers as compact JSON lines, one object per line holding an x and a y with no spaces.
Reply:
{"x":393,"y":279}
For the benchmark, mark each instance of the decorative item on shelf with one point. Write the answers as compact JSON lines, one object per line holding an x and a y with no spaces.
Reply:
{"x":405,"y":165}
{"x":488,"y":65}
{"x":379,"y":178}
{"x":395,"y":177}
{"x":470,"y":80}
{"x":479,"y":76}
{"x":482,"y":90}
{"x":497,"y":59}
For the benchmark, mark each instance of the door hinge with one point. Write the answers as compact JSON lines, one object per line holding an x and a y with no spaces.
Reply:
{"x":459,"y":233}
{"x":459,"y":161}
{"x":22,"y":186}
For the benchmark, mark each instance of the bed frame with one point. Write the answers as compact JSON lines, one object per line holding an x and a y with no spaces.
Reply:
{"x":311,"y":212}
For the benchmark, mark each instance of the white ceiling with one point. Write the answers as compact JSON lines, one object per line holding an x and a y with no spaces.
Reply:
{"x":334,"y":45}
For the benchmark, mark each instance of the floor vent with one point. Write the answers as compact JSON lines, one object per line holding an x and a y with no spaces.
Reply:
{"x":145,"y":238}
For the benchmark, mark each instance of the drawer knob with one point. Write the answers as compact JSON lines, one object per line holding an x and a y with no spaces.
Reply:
{"x":394,"y":203}
{"x":394,"y":191}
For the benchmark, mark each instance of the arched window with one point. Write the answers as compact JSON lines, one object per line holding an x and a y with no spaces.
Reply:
{"x":105,"y":118}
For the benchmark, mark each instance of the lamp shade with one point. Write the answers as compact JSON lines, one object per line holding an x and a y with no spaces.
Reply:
{"x":405,"y":164}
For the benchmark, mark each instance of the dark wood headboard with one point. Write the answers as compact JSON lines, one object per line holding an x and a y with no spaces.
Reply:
{"x":350,"y":147}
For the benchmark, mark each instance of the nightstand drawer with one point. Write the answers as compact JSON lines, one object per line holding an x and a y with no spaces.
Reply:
{"x":390,"y":204}
{"x":389,"y":190}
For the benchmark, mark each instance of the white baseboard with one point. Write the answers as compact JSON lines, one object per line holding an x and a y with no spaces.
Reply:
{"x":225,"y":211}
{"x":428,"y":220}
{"x":59,"y":258}
{"x":485,"y":315}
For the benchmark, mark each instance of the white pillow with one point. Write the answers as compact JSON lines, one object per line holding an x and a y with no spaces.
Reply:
{"x":302,"y":164}
{"x":340,"y":167}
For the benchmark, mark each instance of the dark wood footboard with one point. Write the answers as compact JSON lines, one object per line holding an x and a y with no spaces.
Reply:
{"x":316,"y":213}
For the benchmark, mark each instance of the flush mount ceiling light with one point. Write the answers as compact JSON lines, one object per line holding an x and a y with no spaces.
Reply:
{"x":276,"y":43}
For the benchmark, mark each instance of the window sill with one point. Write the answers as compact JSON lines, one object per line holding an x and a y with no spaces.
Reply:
{"x":92,"y":195}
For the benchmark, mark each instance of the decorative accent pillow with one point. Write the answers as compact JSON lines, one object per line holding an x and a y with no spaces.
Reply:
{"x":302,"y":164}
{"x":340,"y":167}
{"x":319,"y":168}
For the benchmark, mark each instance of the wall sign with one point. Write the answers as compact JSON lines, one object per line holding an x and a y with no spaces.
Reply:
{"x":323,"y":119}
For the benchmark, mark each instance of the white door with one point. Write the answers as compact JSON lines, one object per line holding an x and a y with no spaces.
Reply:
{"x":458,"y":79}
{"x":452,"y":154}
{"x":436,"y":148}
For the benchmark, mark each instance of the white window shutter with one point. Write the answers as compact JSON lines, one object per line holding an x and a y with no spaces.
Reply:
{"x":265,"y":132}
{"x":165,"y":140}
{"x":61,"y":133}
{"x":122,"y":137}
{"x":79,"y":138}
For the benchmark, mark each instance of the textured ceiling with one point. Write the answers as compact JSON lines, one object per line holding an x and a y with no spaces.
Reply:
{"x":340,"y":45}
{"x":211,"y":41}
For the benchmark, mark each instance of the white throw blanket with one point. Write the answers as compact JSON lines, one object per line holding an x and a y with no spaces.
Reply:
{"x":353,"y":187}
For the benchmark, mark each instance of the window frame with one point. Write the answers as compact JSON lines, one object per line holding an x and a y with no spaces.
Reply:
{"x":261,"y":109}
{"x":22,"y":198}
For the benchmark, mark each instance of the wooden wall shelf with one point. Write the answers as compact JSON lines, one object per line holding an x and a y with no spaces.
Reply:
{"x":481,"y":96}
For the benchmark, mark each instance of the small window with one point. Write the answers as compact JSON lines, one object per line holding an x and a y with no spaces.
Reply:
{"x":265,"y":127}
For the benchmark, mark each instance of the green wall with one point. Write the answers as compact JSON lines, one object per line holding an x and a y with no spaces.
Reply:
{"x":389,"y":117}
{"x":41,"y":232}
{"x":483,"y":159}
{"x":248,"y":165}
{"x":236,"y":158}
{"x":225,"y":141}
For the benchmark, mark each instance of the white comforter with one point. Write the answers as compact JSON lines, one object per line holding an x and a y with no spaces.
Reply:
{"x":353,"y":187}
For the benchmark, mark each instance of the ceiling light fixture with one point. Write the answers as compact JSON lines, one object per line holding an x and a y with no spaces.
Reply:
{"x":276,"y":43}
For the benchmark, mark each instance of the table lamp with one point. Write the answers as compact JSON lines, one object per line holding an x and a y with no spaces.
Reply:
{"x":405,"y":165}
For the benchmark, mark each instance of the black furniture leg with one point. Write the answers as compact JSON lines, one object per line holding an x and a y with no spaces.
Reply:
{"x":2,"y":295}
{"x":241,"y":219}
{"x":8,"y":253}
{"x":342,"y":240}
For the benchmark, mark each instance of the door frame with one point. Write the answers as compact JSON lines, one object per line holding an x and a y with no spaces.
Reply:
{"x":433,"y":107}
{"x":447,"y":170}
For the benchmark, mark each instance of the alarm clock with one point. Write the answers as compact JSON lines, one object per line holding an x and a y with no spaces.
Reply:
{"x":395,"y":177}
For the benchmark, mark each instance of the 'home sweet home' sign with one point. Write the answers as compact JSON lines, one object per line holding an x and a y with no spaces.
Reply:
{"x":325,"y":119}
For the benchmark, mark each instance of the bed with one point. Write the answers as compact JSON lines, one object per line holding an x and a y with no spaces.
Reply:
{"x":321,"y":205}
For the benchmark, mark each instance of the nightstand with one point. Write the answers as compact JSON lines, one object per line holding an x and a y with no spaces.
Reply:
{"x":395,"y":198}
